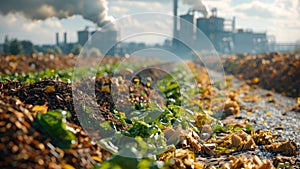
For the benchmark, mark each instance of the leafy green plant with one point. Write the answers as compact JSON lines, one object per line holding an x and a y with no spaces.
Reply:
{"x":66,"y":75}
{"x":53,"y":123}
{"x":142,"y":129}
{"x":135,"y":155}
{"x":171,"y":89}
{"x":248,"y":129}
{"x":121,"y":162}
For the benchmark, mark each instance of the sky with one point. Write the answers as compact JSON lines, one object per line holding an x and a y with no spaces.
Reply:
{"x":280,"y":18}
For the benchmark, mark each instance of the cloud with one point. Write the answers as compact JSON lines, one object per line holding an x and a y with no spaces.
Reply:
{"x":277,"y":9}
{"x":223,"y":6}
{"x":237,"y":2}
{"x":40,"y":31}
{"x":147,"y":27}
{"x":94,"y":10}
{"x":255,"y":9}
{"x":146,"y":1}
{"x":140,"y":6}
{"x":116,"y":9}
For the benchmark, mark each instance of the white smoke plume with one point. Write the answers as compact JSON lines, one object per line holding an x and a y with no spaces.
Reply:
{"x":93,"y":10}
{"x":197,"y":5}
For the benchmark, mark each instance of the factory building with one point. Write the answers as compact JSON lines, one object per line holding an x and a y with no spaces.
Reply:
{"x":215,"y":29}
{"x":104,"y":39}
{"x":83,"y":36}
{"x":221,"y":32}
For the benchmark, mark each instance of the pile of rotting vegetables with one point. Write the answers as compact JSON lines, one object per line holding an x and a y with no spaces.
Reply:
{"x":273,"y":71}
{"x":41,"y":127}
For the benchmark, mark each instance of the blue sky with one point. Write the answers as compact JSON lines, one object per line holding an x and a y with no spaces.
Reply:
{"x":280,"y":18}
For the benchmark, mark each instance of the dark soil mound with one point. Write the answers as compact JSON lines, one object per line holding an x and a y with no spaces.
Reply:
{"x":25,"y":145}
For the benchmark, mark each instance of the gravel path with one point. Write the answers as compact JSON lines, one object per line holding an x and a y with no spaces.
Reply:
{"x":274,"y":116}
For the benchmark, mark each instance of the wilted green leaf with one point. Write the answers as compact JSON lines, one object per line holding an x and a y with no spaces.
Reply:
{"x":53,"y":123}
{"x":219,"y":129}
{"x":248,"y":129}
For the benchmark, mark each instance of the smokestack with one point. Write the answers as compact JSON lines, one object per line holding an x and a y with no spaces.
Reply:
{"x":175,"y":14}
{"x":57,"y":38}
{"x":196,"y":5}
{"x":65,"y":38}
{"x":233,"y":23}
{"x":214,"y":12}
{"x":175,"y":29}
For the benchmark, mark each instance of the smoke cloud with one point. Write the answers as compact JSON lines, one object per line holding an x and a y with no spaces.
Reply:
{"x":197,"y":5}
{"x":93,"y":10}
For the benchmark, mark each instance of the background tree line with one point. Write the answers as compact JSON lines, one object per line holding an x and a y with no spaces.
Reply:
{"x":16,"y":47}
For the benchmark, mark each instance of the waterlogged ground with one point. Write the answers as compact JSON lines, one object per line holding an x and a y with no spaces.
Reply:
{"x":170,"y":119}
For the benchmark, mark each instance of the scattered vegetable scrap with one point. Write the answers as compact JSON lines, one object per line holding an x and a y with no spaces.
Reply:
{"x":263,"y":137}
{"x":284,"y":147}
{"x":237,"y":141}
{"x":181,"y":158}
{"x":251,"y":163}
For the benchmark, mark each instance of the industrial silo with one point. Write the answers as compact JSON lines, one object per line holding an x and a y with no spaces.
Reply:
{"x":83,"y":36}
{"x":216,"y":24}
{"x":202,"y":25}
{"x":186,"y":31}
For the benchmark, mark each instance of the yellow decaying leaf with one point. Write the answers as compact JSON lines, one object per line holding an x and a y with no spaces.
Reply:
{"x":268,"y":114}
{"x":255,"y":80}
{"x":49,"y":89}
{"x":41,"y":109}
{"x":105,"y":88}
{"x":67,"y":166}
{"x":228,"y":79}
{"x":198,"y":165}
{"x":96,"y":158}
{"x":298,"y":100}
{"x":206,"y":92}
{"x":271,"y":99}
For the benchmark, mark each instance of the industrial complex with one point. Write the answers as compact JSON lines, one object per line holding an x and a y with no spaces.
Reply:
{"x":189,"y":29}
{"x":221,"y":32}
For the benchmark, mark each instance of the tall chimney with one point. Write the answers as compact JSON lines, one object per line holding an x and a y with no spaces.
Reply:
{"x":175,"y":29}
{"x":233,"y":23}
{"x":65,"y":38}
{"x":57,"y":38}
